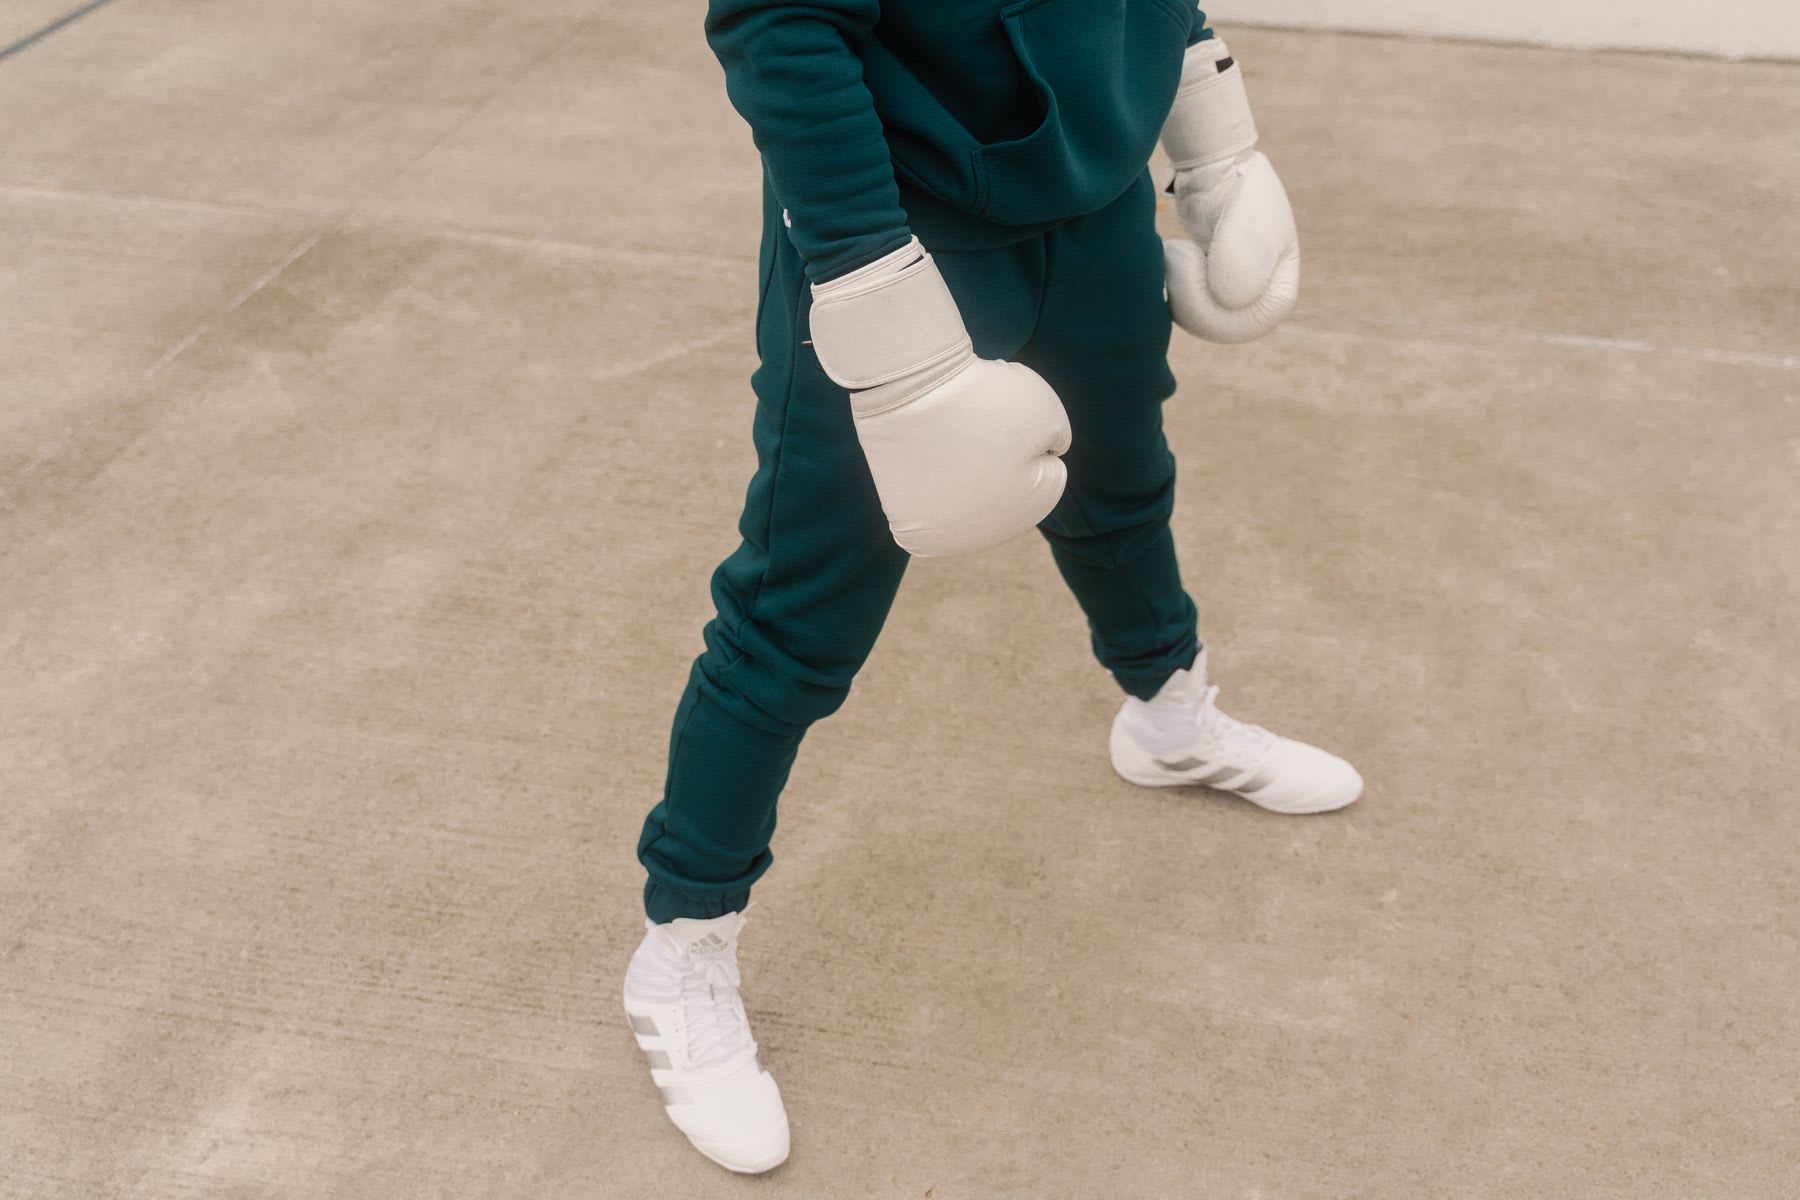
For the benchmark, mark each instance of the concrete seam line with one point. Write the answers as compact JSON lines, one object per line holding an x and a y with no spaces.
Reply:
{"x":1446,"y":331}
{"x":16,"y":486}
{"x":62,"y":22}
{"x":1501,"y":43}
{"x":236,"y":302}
{"x":147,"y":200}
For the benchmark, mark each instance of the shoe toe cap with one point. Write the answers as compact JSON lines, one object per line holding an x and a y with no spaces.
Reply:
{"x":739,"y":1123}
{"x":1310,"y":780}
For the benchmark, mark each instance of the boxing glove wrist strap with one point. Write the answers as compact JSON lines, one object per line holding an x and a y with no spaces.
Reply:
{"x":1210,"y":121}
{"x":891,"y":319}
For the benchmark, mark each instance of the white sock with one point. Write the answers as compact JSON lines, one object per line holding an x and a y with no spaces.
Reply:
{"x":1165,"y":722}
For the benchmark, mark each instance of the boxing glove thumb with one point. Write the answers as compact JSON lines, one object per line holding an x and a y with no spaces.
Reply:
{"x":963,"y":450}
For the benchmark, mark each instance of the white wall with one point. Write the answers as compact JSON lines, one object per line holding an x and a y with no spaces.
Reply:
{"x":1732,"y":28}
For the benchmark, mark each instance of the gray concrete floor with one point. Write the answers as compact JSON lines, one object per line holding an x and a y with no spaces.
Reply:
{"x":375,"y":407}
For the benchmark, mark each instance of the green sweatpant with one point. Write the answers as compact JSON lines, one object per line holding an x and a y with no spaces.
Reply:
{"x":802,"y":598}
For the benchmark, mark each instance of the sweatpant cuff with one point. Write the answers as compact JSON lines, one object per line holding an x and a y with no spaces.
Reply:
{"x":663,"y":904}
{"x":1145,"y":681}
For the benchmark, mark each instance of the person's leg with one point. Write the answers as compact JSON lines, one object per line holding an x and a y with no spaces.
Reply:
{"x":802,"y":599}
{"x":1102,"y":341}
{"x":800,"y":602}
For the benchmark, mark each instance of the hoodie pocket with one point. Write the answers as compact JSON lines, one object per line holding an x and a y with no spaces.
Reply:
{"x":1105,"y":72}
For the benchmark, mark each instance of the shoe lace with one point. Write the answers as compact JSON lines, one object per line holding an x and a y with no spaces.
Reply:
{"x":718,"y":1032}
{"x":1234,"y":739}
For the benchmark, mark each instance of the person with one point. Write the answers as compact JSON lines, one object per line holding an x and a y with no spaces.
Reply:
{"x":963,"y":328}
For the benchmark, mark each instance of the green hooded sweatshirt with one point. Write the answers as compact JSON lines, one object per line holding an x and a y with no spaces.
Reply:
{"x":972,"y":123}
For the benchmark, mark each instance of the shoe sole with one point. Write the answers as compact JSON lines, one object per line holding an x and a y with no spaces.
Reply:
{"x":755,"y":1167}
{"x":1145,"y":773}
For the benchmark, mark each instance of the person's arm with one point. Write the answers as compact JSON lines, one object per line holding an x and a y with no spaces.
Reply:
{"x":1240,"y":276}
{"x":1199,"y":31}
{"x":963,"y":451}
{"x":792,"y":71}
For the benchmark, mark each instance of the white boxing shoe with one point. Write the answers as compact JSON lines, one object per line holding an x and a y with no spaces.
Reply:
{"x":681,"y":997}
{"x":1179,"y":737}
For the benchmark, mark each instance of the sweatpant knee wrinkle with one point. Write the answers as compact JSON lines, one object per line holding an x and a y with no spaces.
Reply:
{"x":1115,"y":539}
{"x":1110,"y":559}
{"x":777,"y":724}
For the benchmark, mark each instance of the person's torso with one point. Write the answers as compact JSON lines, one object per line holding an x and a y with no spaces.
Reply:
{"x":1022,"y":114}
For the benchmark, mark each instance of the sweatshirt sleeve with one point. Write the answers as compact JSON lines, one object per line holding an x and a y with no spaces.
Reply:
{"x":792,"y":72}
{"x":1198,"y":32}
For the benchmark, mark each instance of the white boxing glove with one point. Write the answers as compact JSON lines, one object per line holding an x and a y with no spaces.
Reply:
{"x":963,"y":449}
{"x":1241,"y":274}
